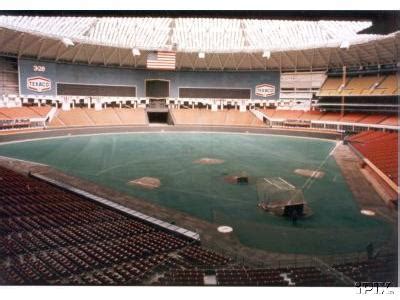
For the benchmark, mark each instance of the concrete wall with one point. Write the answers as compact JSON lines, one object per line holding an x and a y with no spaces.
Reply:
{"x":85,"y":74}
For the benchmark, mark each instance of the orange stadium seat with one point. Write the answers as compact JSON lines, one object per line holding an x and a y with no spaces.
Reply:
{"x":392,"y":120}
{"x":269,"y":112}
{"x":373,"y":119}
{"x":359,"y":85}
{"x":381,"y":148}
{"x":331,"y":116}
{"x":311,"y":115}
{"x":287,"y":114}
{"x":4,"y":117}
{"x":41,"y":110}
{"x":104,"y":117}
{"x":352,"y":117}
{"x":389,"y":86}
{"x":331,"y":86}
{"x":130,"y":116}
{"x":74,"y":117}
{"x":108,"y":116}
{"x":218,"y":118}
{"x":19,"y":113}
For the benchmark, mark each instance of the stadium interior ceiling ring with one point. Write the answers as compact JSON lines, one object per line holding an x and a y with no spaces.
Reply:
{"x":199,"y":43}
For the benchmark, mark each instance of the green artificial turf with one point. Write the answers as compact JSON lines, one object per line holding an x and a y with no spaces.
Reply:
{"x":336,"y":225}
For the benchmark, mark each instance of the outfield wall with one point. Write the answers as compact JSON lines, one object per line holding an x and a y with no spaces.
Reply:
{"x":71,"y":131}
{"x":41,"y":78}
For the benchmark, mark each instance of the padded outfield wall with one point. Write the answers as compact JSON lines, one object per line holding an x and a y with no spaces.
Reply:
{"x":49,"y":74}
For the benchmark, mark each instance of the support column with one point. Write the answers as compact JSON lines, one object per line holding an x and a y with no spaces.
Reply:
{"x":66,"y":104}
{"x":343,"y":85}
{"x":97,"y":104}
{"x":242,"y":107}
{"x":214,"y":106}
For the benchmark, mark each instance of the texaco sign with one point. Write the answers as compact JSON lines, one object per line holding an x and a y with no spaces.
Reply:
{"x":265,"y":90}
{"x":38,"y":84}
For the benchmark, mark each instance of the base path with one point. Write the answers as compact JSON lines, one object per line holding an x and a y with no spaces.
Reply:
{"x":364,"y":193}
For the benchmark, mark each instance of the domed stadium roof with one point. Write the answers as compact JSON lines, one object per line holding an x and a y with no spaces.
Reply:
{"x":226,"y":43}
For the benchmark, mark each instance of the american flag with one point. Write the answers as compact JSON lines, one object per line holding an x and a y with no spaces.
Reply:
{"x":163,"y":60}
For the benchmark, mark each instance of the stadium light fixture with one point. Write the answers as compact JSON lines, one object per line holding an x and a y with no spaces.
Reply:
{"x":202,"y":55}
{"x":135,"y":52}
{"x":67,"y":42}
{"x":266,"y":54}
{"x":345,"y":45}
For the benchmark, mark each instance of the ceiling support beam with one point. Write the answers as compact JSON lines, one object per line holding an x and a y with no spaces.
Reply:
{"x":126,"y":56}
{"x":357,"y":52}
{"x":31,"y":46}
{"x":293,"y":63}
{"x":90,"y":60}
{"x":223,"y":59}
{"x":327,"y":58}
{"x":78,"y":50}
{"x":273,"y":59}
{"x":312,"y":60}
{"x":67,"y":50}
{"x":2,"y":36}
{"x":11,"y":39}
{"x":306,"y":58}
{"x":195,"y":60}
{"x":21,"y":45}
{"x":178,"y":63}
{"x":378,"y":58}
{"x":240,"y":61}
{"x":51,"y":47}
{"x":262,"y":64}
{"x":363,"y":52}
{"x":192,"y":60}
{"x":111,"y":56}
{"x":85,"y":52}
{"x":104,"y":56}
{"x":220,"y":62}
{"x":119,"y":57}
{"x":339,"y":57}
{"x":40,"y":52}
{"x":250,"y":61}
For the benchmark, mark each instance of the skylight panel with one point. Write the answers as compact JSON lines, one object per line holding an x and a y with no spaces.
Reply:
{"x":193,"y":34}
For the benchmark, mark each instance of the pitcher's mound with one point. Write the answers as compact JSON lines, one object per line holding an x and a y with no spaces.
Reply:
{"x":309,"y":173}
{"x":146,"y":182}
{"x":209,"y":161}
